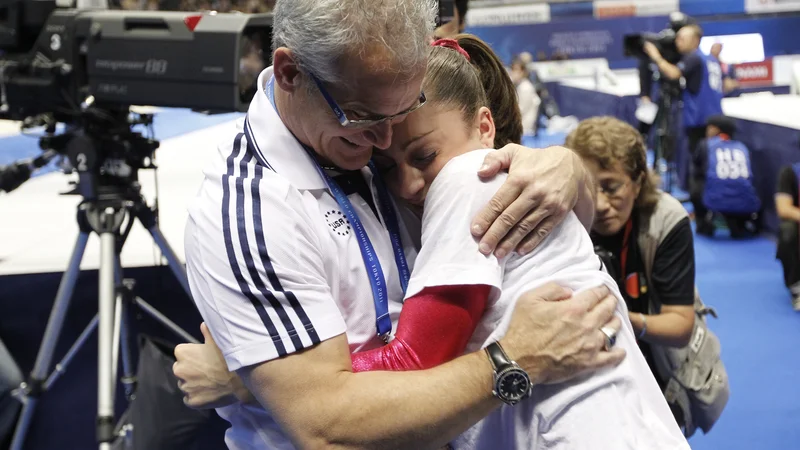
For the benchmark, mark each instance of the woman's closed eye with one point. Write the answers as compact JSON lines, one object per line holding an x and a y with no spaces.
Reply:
{"x":424,"y":158}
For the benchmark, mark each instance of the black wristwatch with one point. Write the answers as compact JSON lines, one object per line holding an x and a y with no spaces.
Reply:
{"x":511,"y":383}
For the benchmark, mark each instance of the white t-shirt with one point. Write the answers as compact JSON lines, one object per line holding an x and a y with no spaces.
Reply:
{"x":613,"y":409}
{"x":274,"y":265}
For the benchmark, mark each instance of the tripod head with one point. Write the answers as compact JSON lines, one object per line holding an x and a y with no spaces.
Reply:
{"x":103,"y":148}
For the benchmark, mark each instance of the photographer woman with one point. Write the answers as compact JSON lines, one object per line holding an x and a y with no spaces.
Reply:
{"x":644,"y":233}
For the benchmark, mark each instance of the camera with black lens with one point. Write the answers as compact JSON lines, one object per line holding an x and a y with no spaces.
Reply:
{"x":633,"y":44}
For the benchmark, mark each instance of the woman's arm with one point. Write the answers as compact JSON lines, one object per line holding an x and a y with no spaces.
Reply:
{"x":434,"y":327}
{"x":673,"y":327}
{"x":673,"y":281}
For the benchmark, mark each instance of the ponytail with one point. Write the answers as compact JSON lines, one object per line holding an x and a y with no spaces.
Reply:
{"x":455,"y":81}
{"x":501,"y":94}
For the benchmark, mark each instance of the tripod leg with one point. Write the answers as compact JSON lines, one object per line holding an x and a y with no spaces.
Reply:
{"x":127,"y":297}
{"x":105,"y":355}
{"x":116,"y":343}
{"x":148,"y":308}
{"x":61,"y":366}
{"x":172,"y":259}
{"x":34,"y":387}
{"x":148,"y":219}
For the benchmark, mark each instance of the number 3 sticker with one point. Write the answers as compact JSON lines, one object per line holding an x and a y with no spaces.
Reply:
{"x":55,"y":42}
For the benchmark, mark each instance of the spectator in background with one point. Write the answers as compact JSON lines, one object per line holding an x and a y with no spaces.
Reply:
{"x":547,"y":105}
{"x":702,"y":94}
{"x":729,"y":83}
{"x":644,"y":237}
{"x":722,"y":181}
{"x":529,"y":100}
{"x":787,"y":204}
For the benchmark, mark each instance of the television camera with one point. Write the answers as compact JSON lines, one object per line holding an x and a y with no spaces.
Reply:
{"x":633,"y":44}
{"x":85,"y":68}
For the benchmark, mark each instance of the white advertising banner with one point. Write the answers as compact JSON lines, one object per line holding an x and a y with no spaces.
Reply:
{"x":769,"y":6}
{"x":623,"y":8}
{"x":508,"y":15}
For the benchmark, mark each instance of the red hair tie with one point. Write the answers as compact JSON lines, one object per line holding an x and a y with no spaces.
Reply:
{"x":451,"y":44}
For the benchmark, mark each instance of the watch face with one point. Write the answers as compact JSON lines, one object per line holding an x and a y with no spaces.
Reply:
{"x":513,"y":385}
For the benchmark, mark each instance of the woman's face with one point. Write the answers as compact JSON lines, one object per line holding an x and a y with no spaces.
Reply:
{"x":423,"y":143}
{"x":616,"y":196}
{"x":517,"y":73}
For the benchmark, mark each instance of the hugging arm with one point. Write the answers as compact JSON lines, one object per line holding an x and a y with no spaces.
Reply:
{"x":434,"y":327}
{"x":541,"y":188}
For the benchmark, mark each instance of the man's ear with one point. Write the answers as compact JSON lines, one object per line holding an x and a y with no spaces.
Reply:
{"x":286,"y":71}
{"x":485,"y":124}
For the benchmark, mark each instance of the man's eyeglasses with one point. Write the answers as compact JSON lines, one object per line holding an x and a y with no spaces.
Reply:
{"x":365,"y":122}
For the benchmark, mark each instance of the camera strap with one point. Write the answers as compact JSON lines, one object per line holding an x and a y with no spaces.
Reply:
{"x":380,"y":295}
{"x":633,"y":281}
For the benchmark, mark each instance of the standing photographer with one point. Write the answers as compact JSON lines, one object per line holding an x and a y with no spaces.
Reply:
{"x":702,"y":74}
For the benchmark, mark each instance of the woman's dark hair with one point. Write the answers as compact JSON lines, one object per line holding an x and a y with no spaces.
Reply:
{"x":454,"y":82}
{"x":608,"y":141}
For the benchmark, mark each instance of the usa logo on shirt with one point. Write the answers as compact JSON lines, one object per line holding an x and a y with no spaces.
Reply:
{"x":338,"y":222}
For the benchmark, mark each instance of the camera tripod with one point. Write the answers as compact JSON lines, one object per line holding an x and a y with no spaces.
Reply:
{"x":665,"y":144}
{"x":105,"y":217}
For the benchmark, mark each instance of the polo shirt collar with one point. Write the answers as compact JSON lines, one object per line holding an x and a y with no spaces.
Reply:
{"x":276,"y":145}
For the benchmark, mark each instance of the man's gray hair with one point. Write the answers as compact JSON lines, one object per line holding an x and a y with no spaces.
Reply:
{"x":320,"y":33}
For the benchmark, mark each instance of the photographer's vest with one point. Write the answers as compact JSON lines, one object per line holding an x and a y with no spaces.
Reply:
{"x":729,"y":178}
{"x":697,"y":382}
{"x":697,"y":108}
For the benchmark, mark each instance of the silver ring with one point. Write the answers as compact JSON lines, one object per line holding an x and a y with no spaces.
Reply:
{"x":611,"y":337}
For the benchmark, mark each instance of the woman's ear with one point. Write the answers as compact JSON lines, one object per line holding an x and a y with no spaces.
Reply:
{"x":286,"y":70}
{"x":485,"y":125}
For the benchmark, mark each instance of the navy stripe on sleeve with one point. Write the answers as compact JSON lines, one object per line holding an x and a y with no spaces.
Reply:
{"x":226,"y":229}
{"x":248,"y":256}
{"x":273,"y":277}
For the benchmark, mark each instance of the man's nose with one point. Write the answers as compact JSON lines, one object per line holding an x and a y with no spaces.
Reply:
{"x":380,"y":135}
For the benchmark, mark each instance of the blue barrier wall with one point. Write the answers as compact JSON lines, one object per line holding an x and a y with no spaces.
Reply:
{"x":587,"y":37}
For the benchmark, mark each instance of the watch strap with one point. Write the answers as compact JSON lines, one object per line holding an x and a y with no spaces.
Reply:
{"x":497,"y":356}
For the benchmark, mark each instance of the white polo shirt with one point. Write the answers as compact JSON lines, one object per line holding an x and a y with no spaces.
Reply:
{"x":620,"y":408}
{"x":273,"y":264}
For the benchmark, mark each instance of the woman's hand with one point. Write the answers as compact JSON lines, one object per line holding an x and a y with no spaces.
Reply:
{"x":542,"y":187}
{"x":203,"y":375}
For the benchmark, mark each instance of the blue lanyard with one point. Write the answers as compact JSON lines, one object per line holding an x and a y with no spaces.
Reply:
{"x":383,"y":322}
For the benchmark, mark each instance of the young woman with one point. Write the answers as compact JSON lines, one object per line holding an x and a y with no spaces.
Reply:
{"x":432,"y":166}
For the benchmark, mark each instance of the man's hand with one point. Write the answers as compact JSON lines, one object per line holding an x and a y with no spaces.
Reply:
{"x":542,"y":187}
{"x":555,"y":336}
{"x":652,"y":51}
{"x":203,"y":375}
